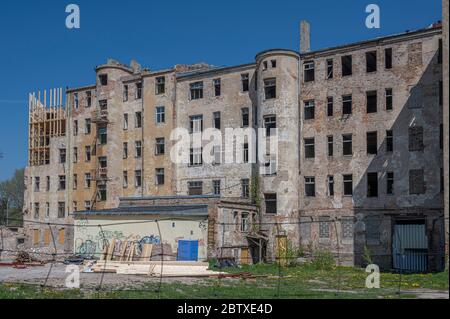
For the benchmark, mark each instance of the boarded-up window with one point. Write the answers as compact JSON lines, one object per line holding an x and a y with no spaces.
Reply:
{"x":415,"y":138}
{"x":61,"y":236}
{"x":305,"y":228}
{"x":373,"y":228}
{"x":324,"y":227}
{"x":47,"y":237}
{"x":416,"y":182}
{"x":347,"y":228}
{"x":195,"y":188}
{"x":415,"y":54}
{"x":36,"y":235}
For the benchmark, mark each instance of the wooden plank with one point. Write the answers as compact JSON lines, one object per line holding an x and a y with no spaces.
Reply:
{"x":110,"y":251}
{"x":123,"y":250}
{"x":146,"y":252}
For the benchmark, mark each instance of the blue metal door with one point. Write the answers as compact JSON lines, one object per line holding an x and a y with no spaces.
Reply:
{"x":410,"y":247}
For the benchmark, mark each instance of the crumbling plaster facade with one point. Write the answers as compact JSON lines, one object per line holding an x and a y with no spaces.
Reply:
{"x":415,"y":69}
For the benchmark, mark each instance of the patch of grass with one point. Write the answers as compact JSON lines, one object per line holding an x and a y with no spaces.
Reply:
{"x":272,"y":281}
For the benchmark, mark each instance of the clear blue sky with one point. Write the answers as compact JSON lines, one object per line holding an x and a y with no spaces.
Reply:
{"x":38,"y":52}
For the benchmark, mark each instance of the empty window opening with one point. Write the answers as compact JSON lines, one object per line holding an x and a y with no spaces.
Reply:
{"x":346,"y":65}
{"x":388,"y":58}
{"x":348,"y":185}
{"x":217,"y":87}
{"x":309,"y":148}
{"x":371,"y":61}
{"x":196,"y":90}
{"x":270,"y":88}
{"x":372,"y":143}
{"x":347,"y":144}
{"x":309,"y":110}
{"x":372,"y":184}
{"x":309,"y":71}
{"x":270,"y":201}
{"x":347,"y":104}
{"x":310,"y":186}
{"x":330,"y":70}
{"x":371,"y":100}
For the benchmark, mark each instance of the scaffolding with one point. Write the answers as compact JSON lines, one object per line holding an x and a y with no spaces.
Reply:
{"x":45,"y":122}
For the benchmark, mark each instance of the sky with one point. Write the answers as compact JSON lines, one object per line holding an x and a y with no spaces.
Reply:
{"x":38,"y":52}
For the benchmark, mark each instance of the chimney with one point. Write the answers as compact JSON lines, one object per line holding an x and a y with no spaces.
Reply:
{"x":305,"y":42}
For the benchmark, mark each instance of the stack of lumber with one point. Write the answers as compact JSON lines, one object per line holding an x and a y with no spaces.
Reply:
{"x":154,"y":268}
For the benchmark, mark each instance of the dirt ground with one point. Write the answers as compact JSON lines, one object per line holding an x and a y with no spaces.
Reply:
{"x":57,"y":277}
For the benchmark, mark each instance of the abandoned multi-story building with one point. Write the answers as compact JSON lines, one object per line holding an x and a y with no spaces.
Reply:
{"x":359,"y":164}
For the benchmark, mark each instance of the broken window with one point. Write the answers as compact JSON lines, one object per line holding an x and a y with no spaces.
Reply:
{"x":330,"y":145}
{"x":138,"y":120}
{"x":125,"y":150}
{"x":348,"y":185}
{"x":309,"y":71}
{"x":125,"y":93}
{"x":62,"y":155}
{"x":125,"y":179}
{"x":324,"y":227}
{"x":389,"y":141}
{"x":416,"y":182}
{"x":270,"y":201}
{"x":309,"y":110}
{"x":103,"y":162}
{"x":371,"y":100}
{"x":88,"y":99}
{"x":36,"y":210}
{"x":160,"y":114}
{"x":138,"y":178}
{"x":310,"y":186}
{"x":102,"y":192}
{"x":37,"y":184}
{"x":346,"y":65}
{"x":103,"y":104}
{"x":196,"y":123}
{"x":389,"y":99}
{"x":87,"y":205}
{"x":347,"y":144}
{"x":216,"y":187}
{"x":245,"y":82}
{"x":330,"y":69}
{"x":138,"y":149}
{"x":309,"y":148}
{"x":160,"y":146}
{"x":102,"y":135}
{"x":245,"y":150}
{"x":160,"y":85}
{"x":125,"y":121}
{"x":245,"y":222}
{"x":273,"y":63}
{"x":330,"y":106}
{"x":75,"y":154}
{"x":330,"y":181}
{"x":245,"y":117}
{"x":270,"y":164}
{"x":372,"y":143}
{"x":196,"y":158}
{"x":245,"y":188}
{"x":390,"y":183}
{"x":388,"y":58}
{"x":48,"y":184}
{"x":138,"y":90}
{"x":195,"y":188}
{"x":62,"y":182}
{"x":88,"y":153}
{"x":61,"y":209}
{"x":159,"y":176}
{"x":196,"y":90}
{"x":103,"y":79}
{"x":87,"y":126}
{"x":216,"y":120}
{"x":217,"y":87}
{"x":75,"y":127}
{"x":87,"y":180}
{"x":371,"y":61}
{"x":264,"y":65}
{"x":75,"y":100}
{"x":441,"y":93}
{"x":270,"y":122}
{"x":415,"y":138}
{"x":270,"y":88}
{"x":372,"y":184}
{"x":346,"y":104}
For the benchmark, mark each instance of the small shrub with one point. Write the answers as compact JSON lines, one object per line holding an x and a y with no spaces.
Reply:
{"x":323,"y":260}
{"x":367,"y":256}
